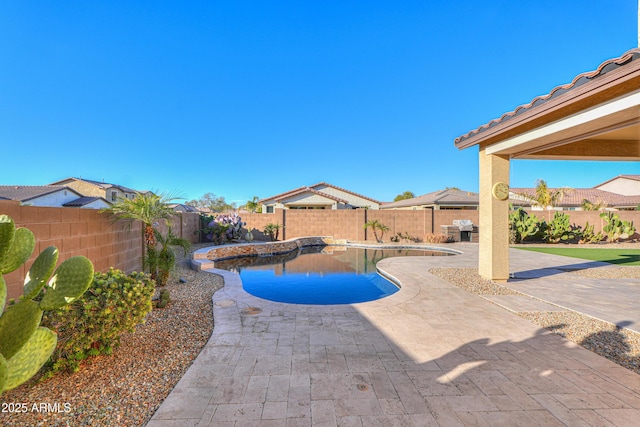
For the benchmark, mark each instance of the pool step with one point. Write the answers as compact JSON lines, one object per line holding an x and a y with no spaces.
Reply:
{"x":201,"y":264}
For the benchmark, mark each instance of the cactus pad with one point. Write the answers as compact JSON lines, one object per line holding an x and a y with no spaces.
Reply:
{"x":69,"y":282}
{"x":4,"y":370}
{"x":3,"y":294}
{"x":21,"y":248}
{"x":24,"y":364}
{"x":7,"y":230}
{"x":40,"y":272}
{"x":17,"y":324}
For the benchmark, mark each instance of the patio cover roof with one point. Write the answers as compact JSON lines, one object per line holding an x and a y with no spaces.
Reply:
{"x":595,"y":117}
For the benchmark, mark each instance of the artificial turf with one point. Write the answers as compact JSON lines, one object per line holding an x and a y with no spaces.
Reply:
{"x":613,"y":256}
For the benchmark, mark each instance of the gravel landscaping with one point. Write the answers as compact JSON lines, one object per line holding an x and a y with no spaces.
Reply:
{"x":126,"y":388}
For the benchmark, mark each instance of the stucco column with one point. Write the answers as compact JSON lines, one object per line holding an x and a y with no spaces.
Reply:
{"x":493,"y":257}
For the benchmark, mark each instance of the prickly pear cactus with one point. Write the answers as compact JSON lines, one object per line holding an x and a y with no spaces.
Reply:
{"x":24,"y":345}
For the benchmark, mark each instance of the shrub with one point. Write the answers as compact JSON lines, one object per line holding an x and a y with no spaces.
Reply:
{"x":404,"y":237}
{"x":437,"y":238}
{"x":522,"y":225}
{"x":589,"y":236}
{"x":560,"y":229}
{"x":615,"y":228}
{"x":93,"y":324}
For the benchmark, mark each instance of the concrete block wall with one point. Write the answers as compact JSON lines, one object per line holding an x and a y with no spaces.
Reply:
{"x":74,"y":232}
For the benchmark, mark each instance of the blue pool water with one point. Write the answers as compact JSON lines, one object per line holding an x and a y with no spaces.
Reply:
{"x":319,"y":275}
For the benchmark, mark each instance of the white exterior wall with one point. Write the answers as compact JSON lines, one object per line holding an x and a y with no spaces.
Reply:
{"x":96,"y":204}
{"x":352,"y":199}
{"x":624,"y":186}
{"x":58,"y":198}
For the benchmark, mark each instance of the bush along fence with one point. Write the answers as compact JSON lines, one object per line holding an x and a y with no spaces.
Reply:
{"x":526,"y":226}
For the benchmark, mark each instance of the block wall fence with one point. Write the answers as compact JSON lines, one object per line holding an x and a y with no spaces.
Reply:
{"x":349,"y":224}
{"x":85,"y":232}
{"x":92,"y":234}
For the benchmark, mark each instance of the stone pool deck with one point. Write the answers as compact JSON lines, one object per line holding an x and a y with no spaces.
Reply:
{"x":429,"y":355}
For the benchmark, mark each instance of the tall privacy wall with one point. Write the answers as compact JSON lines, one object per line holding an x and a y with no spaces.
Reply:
{"x":85,"y":232}
{"x":349,"y":224}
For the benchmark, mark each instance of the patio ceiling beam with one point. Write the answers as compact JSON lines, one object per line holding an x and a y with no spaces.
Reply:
{"x":619,"y":113}
{"x":590,"y":149}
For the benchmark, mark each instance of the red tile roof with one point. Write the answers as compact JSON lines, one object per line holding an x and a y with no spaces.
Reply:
{"x":576,"y":196}
{"x":607,"y":66}
{"x":312,"y":189}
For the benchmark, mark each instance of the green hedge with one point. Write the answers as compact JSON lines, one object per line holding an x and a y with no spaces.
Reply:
{"x":115,"y":303}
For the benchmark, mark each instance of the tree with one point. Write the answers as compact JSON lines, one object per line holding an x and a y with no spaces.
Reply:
{"x":213,"y":203}
{"x":253,"y":206}
{"x":588,"y":205}
{"x":404,"y":196}
{"x":377,"y":226}
{"x":161,"y":261}
{"x":149,"y":208}
{"x":545,"y":197}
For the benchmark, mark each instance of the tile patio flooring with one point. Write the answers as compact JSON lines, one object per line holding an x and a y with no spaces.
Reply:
{"x":429,"y":355}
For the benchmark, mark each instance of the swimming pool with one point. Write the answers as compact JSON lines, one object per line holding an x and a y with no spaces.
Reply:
{"x":319,"y":275}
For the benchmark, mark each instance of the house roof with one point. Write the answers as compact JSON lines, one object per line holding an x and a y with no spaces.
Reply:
{"x":103,"y":185}
{"x":576,"y":196}
{"x":25,"y":193}
{"x":447,"y":196}
{"x":585,"y":90}
{"x":187,"y":208}
{"x":83,"y":201}
{"x":312,"y":188}
{"x":631,"y":177}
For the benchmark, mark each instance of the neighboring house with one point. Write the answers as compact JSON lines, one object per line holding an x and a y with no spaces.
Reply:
{"x":50,"y":195}
{"x":627,"y":185}
{"x":448,"y":199}
{"x":318,"y":196}
{"x":179,"y":207}
{"x":575,"y":197}
{"x":108,"y":191}
{"x":88,"y":202}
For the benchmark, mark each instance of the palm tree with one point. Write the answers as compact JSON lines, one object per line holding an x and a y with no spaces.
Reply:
{"x":548,"y":198}
{"x":376,"y":225}
{"x":588,"y":205}
{"x":149,"y":208}
{"x":252,"y":205}
{"x":161,"y":261}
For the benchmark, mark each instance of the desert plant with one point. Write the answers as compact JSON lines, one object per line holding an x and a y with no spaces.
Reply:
{"x":589,"y":236}
{"x":92,"y":325}
{"x":404,"y":236}
{"x":523,"y":225}
{"x":272,"y":230}
{"x":149,"y":208}
{"x":438,"y":238}
{"x":376,"y":226}
{"x":25,"y":346}
{"x":615,"y":228}
{"x":161,"y":260}
{"x":164,"y":299}
{"x":560,"y":229}
{"x":588,"y":205}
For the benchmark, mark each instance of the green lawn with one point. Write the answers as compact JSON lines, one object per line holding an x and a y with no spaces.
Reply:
{"x":613,"y":256}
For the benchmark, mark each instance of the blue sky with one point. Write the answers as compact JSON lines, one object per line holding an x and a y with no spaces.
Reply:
{"x":253,"y":98}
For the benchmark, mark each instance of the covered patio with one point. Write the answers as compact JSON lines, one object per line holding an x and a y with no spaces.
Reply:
{"x":595,"y":117}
